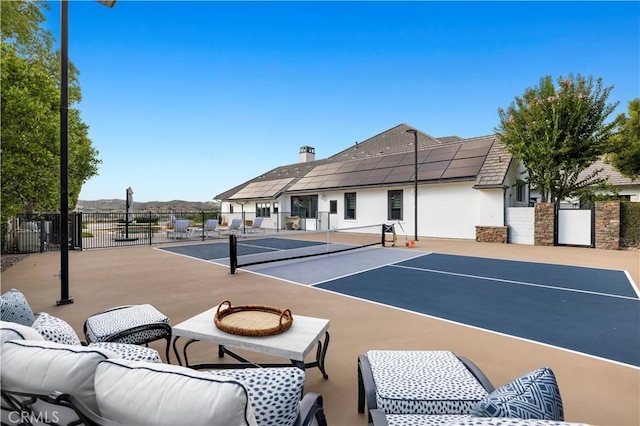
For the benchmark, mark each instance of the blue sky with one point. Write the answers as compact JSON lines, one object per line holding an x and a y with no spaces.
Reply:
{"x":185,"y":100}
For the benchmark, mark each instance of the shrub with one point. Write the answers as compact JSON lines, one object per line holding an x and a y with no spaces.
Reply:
{"x":630,"y":224}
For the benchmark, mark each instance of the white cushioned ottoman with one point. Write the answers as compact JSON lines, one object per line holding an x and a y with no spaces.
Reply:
{"x":135,"y":324}
{"x":423,"y":382}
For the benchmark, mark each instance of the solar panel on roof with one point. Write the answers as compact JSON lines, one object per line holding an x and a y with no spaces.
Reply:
{"x":430,"y":174}
{"x":461,"y":172}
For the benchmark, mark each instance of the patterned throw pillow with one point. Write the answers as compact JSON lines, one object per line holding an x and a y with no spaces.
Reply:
{"x":274,"y":393}
{"x":56,"y":330}
{"x":533,"y":396}
{"x":15,"y":308}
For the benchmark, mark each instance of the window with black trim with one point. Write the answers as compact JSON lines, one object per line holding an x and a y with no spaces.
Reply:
{"x":263,"y":209}
{"x":521,"y":191}
{"x":333,"y":206}
{"x":394,"y":204}
{"x":349,"y":205}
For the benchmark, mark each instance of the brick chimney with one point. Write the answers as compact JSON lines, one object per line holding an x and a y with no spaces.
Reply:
{"x":307,"y":153}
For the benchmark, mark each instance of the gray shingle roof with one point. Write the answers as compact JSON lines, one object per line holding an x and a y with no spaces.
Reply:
{"x":387,"y":158}
{"x":613,"y":176}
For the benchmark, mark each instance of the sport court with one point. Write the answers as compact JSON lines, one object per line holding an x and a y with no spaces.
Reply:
{"x":585,"y":310}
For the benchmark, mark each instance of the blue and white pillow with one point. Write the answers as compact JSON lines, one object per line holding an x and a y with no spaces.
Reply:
{"x":15,"y":308}
{"x":56,"y":330}
{"x":534,"y":395}
{"x":274,"y":393}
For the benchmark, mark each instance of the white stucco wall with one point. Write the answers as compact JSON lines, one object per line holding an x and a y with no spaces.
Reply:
{"x":450,"y":210}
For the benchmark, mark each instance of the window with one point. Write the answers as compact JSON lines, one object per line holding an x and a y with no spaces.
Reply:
{"x":349,"y":205}
{"x":263,"y":209}
{"x":333,"y":207}
{"x":275,"y":208}
{"x":305,"y":206}
{"x":521,"y":190}
{"x":394,"y":205}
{"x":230,"y":208}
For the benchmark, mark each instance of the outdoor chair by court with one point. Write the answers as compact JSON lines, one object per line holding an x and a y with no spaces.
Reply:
{"x":211,"y":228}
{"x":180,"y":229}
{"x":235,"y":226}
{"x":440,"y":387}
{"x":255,"y":226}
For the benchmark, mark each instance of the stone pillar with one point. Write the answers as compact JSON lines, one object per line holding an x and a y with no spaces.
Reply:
{"x":491,"y":234}
{"x":544,"y":224}
{"x":608,"y":225}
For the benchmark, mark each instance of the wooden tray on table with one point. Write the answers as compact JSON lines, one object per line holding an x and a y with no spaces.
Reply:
{"x":252,"y":320}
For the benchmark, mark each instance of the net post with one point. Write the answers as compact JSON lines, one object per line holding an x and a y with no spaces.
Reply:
{"x":233,"y":253}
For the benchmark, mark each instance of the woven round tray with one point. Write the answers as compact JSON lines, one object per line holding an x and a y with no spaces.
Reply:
{"x":252,"y":320}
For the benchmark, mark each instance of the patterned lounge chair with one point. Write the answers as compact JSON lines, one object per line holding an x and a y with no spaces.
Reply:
{"x":439,"y":387}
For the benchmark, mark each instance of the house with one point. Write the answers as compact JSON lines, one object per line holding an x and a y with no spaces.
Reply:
{"x":461,"y":184}
{"x":628,"y":189}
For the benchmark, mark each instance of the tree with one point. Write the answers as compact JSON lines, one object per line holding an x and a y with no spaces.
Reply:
{"x":30,"y":107}
{"x":625,"y":144}
{"x":559,"y":132}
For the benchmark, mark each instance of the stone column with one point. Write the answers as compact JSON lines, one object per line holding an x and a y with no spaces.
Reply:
{"x":544,"y":224}
{"x":608,"y":225}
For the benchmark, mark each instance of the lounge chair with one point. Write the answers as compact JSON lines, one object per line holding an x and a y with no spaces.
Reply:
{"x":255,"y":226}
{"x":235,"y":226}
{"x":211,"y":228}
{"x":439,"y":387}
{"x":180,"y":229}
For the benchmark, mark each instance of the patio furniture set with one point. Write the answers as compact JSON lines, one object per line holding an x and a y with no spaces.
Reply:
{"x":111,"y":379}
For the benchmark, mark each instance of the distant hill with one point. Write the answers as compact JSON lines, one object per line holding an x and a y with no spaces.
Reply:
{"x":116,"y":205}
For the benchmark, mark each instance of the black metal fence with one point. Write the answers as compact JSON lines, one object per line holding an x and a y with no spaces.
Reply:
{"x":33,"y":233}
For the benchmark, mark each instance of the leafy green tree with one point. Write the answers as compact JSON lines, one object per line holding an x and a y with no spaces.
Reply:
{"x":625,"y":144}
{"x":30,"y":110}
{"x":558,"y":132}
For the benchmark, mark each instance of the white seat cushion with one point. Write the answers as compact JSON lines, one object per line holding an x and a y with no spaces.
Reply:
{"x":15,"y":331}
{"x":140,"y":393}
{"x":423,"y":382}
{"x":41,"y":367}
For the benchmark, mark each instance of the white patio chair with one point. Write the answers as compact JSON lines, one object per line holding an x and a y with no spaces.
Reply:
{"x":255,"y":226}
{"x":211,"y":228}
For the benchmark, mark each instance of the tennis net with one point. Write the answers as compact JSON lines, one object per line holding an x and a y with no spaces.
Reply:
{"x":249,"y":250}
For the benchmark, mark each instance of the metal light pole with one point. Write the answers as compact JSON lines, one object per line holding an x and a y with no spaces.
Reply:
{"x":65,"y":299}
{"x":415,"y":181}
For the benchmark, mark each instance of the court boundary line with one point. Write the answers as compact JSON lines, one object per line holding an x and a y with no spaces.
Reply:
{"x":548,"y":345}
{"x":479,"y":277}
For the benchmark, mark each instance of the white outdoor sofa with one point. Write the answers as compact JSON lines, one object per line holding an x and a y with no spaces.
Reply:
{"x":58,"y":382}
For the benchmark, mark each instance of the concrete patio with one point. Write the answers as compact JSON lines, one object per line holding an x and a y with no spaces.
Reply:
{"x":594,"y":391}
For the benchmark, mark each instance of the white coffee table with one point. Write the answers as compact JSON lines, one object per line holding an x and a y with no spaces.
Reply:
{"x":294,"y":344}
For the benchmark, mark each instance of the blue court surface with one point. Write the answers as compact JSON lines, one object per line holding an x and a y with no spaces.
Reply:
{"x":586,"y":310}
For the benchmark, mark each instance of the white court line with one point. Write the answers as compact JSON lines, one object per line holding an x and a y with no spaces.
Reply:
{"x":477,"y":277}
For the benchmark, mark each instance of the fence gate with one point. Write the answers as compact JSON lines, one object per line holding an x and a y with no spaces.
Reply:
{"x":575,"y":226}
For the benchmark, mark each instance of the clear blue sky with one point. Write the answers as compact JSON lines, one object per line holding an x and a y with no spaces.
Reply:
{"x":188,"y":99}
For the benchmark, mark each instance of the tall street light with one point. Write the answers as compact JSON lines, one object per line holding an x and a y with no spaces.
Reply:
{"x":64,"y":149}
{"x":415,"y":181}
